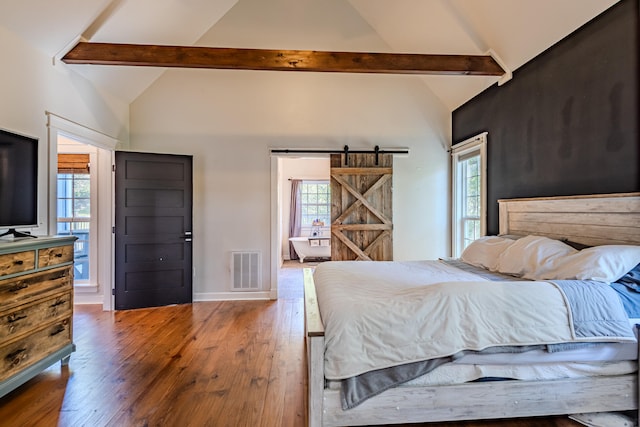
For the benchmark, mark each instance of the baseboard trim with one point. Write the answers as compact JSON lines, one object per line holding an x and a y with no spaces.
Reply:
{"x":79,"y":298}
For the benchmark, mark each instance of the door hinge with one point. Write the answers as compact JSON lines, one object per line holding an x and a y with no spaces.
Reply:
{"x":113,"y":230}
{"x":113,"y":168}
{"x":113,"y":291}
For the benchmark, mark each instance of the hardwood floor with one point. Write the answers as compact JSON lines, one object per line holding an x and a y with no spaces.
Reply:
{"x":205,"y":364}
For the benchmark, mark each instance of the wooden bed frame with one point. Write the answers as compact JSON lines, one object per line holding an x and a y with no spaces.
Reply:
{"x":590,"y":220}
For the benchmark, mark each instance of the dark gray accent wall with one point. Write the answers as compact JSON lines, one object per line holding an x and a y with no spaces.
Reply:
{"x":567,"y":123}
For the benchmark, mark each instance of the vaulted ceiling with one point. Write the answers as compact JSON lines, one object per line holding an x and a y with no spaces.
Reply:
{"x":514,"y":30}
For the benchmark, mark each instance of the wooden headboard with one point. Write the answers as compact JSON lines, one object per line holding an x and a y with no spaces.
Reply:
{"x":601,"y":219}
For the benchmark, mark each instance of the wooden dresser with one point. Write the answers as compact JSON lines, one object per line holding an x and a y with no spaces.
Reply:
{"x":36,"y":307}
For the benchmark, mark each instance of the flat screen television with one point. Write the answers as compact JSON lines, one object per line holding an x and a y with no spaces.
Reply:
{"x":18,"y":182}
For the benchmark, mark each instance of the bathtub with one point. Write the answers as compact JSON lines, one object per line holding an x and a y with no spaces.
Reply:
{"x":314,"y":248}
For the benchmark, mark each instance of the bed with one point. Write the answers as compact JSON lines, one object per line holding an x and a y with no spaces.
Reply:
{"x":593,"y":220}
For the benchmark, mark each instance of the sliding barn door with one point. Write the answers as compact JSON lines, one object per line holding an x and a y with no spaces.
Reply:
{"x":361,"y":216}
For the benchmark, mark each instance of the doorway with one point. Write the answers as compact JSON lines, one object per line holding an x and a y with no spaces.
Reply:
{"x":63,"y":135}
{"x":361,"y":206}
{"x":285,"y":272}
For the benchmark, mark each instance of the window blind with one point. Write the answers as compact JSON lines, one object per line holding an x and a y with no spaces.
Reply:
{"x":73,"y":163}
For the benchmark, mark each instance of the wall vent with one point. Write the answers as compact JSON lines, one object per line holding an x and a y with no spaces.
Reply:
{"x":245,"y":271}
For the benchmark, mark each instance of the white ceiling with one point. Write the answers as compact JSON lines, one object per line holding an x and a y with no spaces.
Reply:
{"x":516,"y":30}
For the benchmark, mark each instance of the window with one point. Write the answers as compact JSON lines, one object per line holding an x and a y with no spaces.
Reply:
{"x":315,"y":202}
{"x":469,"y":192}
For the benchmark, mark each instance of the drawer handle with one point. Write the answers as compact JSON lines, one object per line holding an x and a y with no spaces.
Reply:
{"x":18,"y":262}
{"x":15,"y":317}
{"x":58,"y":302}
{"x":17,"y":356}
{"x":57,"y":330}
{"x":58,"y":255}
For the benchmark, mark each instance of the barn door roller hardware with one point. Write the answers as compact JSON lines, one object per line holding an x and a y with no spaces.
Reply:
{"x":376,"y":150}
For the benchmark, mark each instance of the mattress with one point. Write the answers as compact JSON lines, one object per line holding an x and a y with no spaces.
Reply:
{"x":455,"y":373}
{"x":606,"y":352}
{"x":600,"y":352}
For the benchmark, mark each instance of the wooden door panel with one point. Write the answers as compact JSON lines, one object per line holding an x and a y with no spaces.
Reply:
{"x":361,"y":207}
{"x":153,"y":230}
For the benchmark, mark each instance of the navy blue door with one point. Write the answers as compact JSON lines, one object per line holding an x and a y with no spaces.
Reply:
{"x":153,"y":219}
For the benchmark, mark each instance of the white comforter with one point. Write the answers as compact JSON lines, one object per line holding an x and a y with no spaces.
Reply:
{"x":382,"y":314}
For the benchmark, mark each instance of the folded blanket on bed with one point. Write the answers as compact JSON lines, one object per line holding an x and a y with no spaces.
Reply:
{"x":384,"y":314}
{"x":595,"y":309}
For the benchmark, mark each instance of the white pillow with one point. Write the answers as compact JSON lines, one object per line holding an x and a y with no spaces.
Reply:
{"x":484,"y":252}
{"x":532,"y":256}
{"x":605,"y":263}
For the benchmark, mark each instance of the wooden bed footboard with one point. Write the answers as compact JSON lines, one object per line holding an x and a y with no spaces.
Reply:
{"x":486,"y":400}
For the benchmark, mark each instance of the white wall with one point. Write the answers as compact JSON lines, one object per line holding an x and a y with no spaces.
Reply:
{"x":228,"y":120}
{"x":31,"y":85}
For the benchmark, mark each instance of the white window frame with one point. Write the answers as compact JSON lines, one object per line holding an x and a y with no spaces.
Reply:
{"x":308,"y":228}
{"x":459,"y":152}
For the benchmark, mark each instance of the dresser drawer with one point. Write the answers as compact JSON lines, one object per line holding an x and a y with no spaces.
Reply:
{"x":19,"y":290}
{"x":55,"y":255}
{"x":17,"y":262}
{"x":27,"y":317}
{"x":26,"y":351}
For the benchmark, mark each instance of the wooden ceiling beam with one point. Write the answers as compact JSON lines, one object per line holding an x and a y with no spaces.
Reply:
{"x":280,"y":60}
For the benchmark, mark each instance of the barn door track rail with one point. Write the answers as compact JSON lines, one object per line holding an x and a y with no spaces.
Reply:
{"x":346,"y":151}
